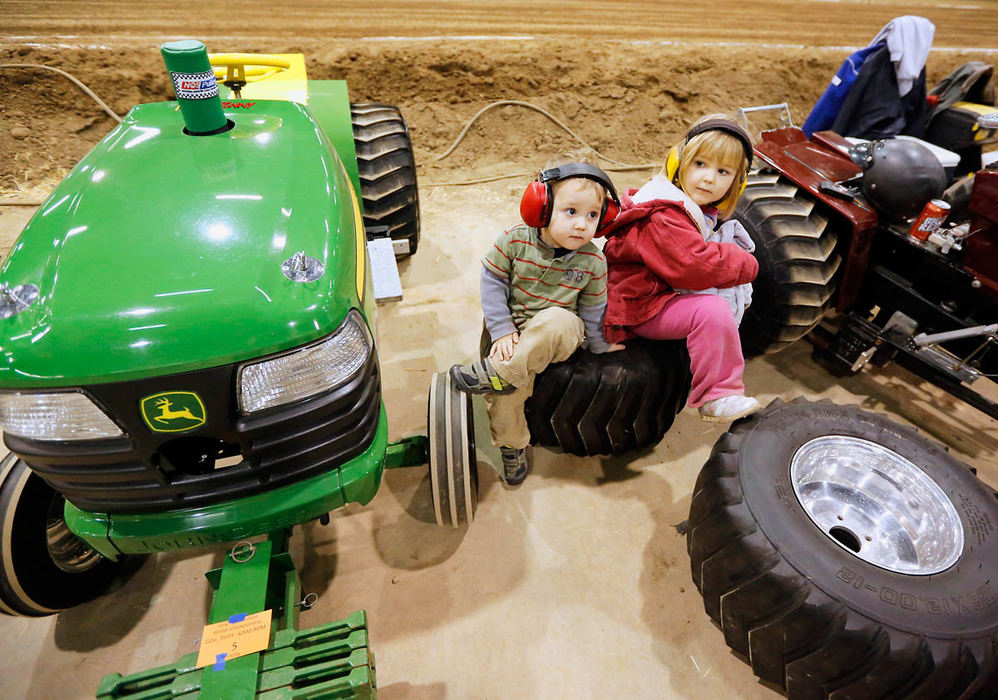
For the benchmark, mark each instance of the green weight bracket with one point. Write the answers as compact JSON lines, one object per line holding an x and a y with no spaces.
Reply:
{"x":329,"y":661}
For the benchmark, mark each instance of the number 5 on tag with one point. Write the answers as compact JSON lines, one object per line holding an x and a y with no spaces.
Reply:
{"x":238,"y":636}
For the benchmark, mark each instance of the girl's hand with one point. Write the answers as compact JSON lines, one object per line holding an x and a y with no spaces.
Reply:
{"x":733,"y":231}
{"x":615,"y":347}
{"x":503,"y":348}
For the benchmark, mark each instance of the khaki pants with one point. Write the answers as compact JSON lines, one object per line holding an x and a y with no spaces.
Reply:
{"x":550,"y":336}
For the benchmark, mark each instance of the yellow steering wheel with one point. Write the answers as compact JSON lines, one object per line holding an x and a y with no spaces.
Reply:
{"x":234,"y":70}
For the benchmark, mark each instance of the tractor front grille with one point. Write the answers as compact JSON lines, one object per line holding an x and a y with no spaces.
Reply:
{"x":230,"y":456}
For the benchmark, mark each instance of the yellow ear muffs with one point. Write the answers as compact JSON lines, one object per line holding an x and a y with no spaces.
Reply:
{"x":672,"y":164}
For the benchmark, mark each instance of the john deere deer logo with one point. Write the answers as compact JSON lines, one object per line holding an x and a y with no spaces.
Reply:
{"x":173,"y":411}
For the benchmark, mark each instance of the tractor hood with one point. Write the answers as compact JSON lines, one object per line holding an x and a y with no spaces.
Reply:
{"x":162,"y":252}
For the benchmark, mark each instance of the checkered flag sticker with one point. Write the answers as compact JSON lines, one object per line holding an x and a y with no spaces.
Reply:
{"x":195,"y":86}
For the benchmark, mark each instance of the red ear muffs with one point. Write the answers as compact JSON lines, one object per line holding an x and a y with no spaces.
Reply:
{"x":535,"y":204}
{"x":610,"y":212}
{"x":538,"y":198}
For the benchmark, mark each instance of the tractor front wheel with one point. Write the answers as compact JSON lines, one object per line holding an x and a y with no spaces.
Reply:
{"x":44,"y":567}
{"x":453,"y":460}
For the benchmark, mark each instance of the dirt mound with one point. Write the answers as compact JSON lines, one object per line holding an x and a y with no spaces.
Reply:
{"x":628,"y":100}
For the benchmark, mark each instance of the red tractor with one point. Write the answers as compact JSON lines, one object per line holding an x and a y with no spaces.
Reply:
{"x":832,"y":219}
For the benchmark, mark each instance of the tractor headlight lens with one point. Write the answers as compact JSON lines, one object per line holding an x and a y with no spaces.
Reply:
{"x":58,"y":415}
{"x":307,"y":372}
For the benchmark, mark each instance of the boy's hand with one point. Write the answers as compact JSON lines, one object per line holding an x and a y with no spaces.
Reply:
{"x":502,"y":349}
{"x":615,"y":347}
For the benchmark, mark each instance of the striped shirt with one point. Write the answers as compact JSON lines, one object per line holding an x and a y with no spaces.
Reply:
{"x":537,"y":279}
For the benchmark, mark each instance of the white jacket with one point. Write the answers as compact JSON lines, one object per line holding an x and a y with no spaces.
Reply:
{"x":909,"y":39}
{"x":738,"y":297}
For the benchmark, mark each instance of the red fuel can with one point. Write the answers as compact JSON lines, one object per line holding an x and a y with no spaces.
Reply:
{"x":932,"y":217}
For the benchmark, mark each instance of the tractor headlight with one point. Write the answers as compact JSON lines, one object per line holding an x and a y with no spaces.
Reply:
{"x":306,"y":372}
{"x":57,"y":415}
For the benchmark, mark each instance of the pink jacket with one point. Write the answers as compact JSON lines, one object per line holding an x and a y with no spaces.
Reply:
{"x":654,"y":248}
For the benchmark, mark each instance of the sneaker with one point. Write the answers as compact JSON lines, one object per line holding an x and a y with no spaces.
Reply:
{"x":729,"y":408}
{"x":515,"y":465}
{"x":480,"y":377}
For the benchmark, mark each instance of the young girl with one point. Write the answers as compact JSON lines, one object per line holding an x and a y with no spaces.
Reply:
{"x":670,"y":277}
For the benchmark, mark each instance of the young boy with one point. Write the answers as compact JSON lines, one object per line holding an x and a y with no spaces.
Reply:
{"x":543,"y":295}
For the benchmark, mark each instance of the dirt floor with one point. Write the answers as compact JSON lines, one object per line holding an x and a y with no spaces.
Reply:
{"x":577,"y":585}
{"x":624,"y":76}
{"x":797,"y":22}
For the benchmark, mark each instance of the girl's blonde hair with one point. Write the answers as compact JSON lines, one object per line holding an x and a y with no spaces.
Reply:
{"x":719,"y":146}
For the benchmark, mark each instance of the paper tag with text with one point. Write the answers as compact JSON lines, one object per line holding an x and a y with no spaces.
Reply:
{"x":239,"y":635}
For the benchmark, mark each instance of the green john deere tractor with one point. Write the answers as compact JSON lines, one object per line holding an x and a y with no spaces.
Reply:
{"x":187,"y":330}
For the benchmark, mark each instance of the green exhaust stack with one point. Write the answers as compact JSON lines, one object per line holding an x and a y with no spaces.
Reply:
{"x":195,"y":85}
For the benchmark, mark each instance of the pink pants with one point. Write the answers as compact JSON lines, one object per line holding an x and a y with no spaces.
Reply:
{"x":706,"y":322}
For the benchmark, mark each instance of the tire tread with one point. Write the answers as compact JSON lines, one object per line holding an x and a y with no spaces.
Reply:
{"x":611,"y":403}
{"x":793,"y":634}
{"x":387,"y":170}
{"x":796,"y":246}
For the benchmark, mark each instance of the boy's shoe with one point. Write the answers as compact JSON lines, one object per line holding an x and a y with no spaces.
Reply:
{"x":480,"y":377}
{"x":515,"y":465}
{"x":729,"y":408}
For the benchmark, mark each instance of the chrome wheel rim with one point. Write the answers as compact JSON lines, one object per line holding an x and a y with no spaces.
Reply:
{"x":877,"y":505}
{"x":67,"y":551}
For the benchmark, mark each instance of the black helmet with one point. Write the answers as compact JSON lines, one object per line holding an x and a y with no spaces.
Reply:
{"x":899,"y":176}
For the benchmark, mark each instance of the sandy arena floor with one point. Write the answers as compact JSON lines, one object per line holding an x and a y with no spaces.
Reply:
{"x":576,"y":585}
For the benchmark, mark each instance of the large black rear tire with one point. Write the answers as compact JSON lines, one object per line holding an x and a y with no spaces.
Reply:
{"x":803,"y":586}
{"x":387,"y":171}
{"x":44,"y":567}
{"x":610,"y":403}
{"x":795,"y":244}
